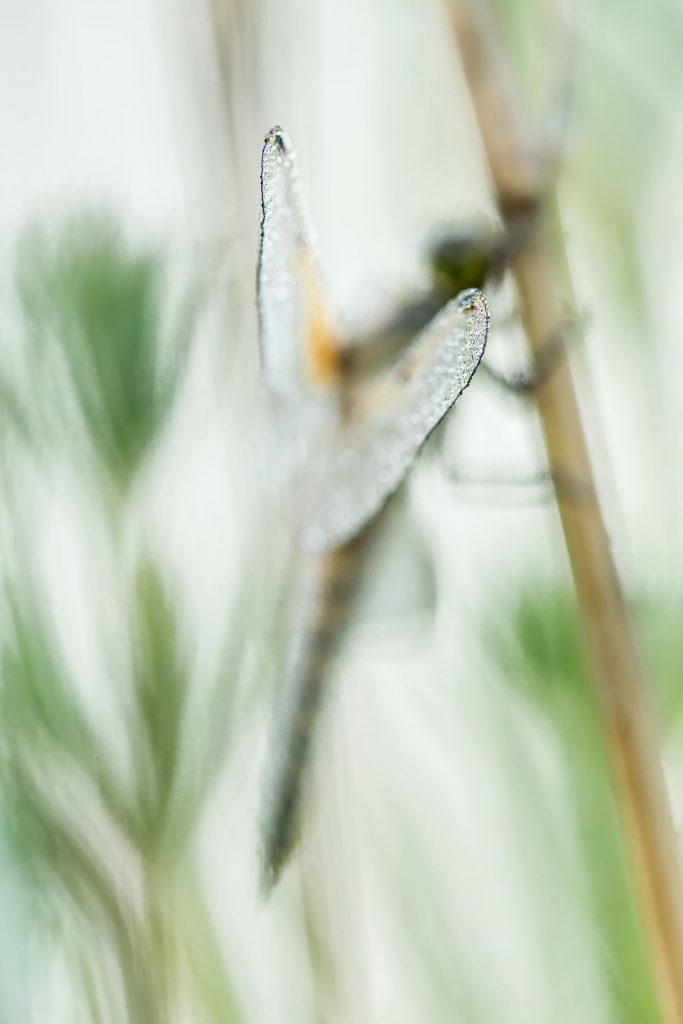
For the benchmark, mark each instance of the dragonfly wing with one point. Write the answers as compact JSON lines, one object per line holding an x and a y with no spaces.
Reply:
{"x":392,"y":418}
{"x":298,"y":348}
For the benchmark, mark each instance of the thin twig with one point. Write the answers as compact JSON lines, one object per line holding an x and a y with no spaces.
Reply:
{"x":519,"y":176}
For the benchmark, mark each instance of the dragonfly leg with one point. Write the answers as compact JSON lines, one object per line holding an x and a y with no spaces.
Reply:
{"x":538,"y":488}
{"x":526,"y":383}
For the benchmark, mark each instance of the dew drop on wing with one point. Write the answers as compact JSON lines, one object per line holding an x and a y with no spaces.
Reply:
{"x":395,"y":416}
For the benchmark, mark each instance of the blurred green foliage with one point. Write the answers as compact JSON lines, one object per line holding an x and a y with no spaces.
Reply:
{"x":540,"y":651}
{"x":102,"y":838}
{"x":99,"y":330}
{"x":75,"y":819}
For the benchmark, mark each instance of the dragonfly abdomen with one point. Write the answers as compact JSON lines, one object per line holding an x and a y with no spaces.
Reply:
{"x":333,"y":586}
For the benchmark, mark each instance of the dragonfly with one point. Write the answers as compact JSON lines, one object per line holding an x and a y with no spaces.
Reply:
{"x":355,"y":439}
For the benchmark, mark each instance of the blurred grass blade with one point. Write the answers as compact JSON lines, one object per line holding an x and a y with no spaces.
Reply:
{"x":541,"y":653}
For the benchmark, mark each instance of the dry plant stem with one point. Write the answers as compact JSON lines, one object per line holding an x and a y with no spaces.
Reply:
{"x":627,"y":721}
{"x":638,"y":777}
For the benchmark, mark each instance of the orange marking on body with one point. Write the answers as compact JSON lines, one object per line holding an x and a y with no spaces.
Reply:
{"x":323,"y":351}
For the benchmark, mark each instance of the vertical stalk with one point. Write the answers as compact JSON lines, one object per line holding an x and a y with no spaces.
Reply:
{"x":521,"y":179}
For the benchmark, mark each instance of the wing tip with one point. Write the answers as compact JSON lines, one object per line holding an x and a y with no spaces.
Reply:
{"x":278,"y":138}
{"x":473,"y":298}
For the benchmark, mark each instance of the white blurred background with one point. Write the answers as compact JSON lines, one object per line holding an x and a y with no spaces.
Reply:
{"x":442,"y":877}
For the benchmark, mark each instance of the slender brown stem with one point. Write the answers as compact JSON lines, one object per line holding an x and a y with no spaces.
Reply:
{"x":521,"y":180}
